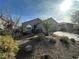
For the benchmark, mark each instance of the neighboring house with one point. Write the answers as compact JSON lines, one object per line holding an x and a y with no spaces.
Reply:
{"x":30,"y":24}
{"x":39,"y":23}
{"x":61,"y":27}
{"x":76,"y":28}
{"x":68,"y":27}
{"x":53,"y":24}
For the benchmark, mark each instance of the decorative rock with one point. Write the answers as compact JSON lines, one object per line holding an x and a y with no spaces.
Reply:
{"x":28,"y":48}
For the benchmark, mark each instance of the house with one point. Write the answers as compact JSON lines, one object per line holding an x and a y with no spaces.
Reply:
{"x":39,"y":24}
{"x":68,"y":27}
{"x":52,"y":25}
{"x":29,"y":25}
{"x":76,"y":28}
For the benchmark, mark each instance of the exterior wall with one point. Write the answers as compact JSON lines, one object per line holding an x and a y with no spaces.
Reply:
{"x":61,"y":27}
{"x":65,"y":27}
{"x":40,"y":26}
{"x":53,"y":27}
{"x":31,"y":22}
{"x":69,"y":27}
{"x":76,"y":28}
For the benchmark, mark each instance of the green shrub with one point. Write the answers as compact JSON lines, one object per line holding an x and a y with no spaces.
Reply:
{"x":54,"y":35}
{"x":8,"y":47}
{"x":73,"y":40}
{"x":65,"y":41}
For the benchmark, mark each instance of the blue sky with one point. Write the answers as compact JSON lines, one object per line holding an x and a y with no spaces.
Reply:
{"x":30,"y":9}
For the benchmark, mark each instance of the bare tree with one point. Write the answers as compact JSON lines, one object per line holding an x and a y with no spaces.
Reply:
{"x":9,"y":21}
{"x":75,"y":17}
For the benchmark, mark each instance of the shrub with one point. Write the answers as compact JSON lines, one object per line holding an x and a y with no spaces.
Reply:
{"x":54,"y":35}
{"x":52,"y":41}
{"x":8,"y":47}
{"x":65,"y":41}
{"x":73,"y":40}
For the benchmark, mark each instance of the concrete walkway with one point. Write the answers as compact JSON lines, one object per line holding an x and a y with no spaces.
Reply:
{"x":24,"y":40}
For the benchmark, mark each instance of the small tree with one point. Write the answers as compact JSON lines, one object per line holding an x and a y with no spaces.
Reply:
{"x":9,"y":23}
{"x":8,"y":47}
{"x":75,"y":17}
{"x":47,"y":27}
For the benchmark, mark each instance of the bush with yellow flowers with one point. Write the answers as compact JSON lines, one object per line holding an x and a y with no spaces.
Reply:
{"x":8,"y":47}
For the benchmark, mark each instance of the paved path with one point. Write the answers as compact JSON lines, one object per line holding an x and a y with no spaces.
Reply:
{"x":70,"y":35}
{"x":24,"y":40}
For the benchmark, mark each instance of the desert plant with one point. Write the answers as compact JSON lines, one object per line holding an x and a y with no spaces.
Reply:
{"x":8,"y":22}
{"x":65,"y":41}
{"x":52,"y":41}
{"x":54,"y":35}
{"x":8,"y":47}
{"x":73,"y":40}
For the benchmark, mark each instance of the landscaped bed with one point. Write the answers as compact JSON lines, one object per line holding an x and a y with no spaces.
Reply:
{"x":51,"y":47}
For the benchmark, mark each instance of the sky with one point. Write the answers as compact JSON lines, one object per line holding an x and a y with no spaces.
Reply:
{"x":60,"y":10}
